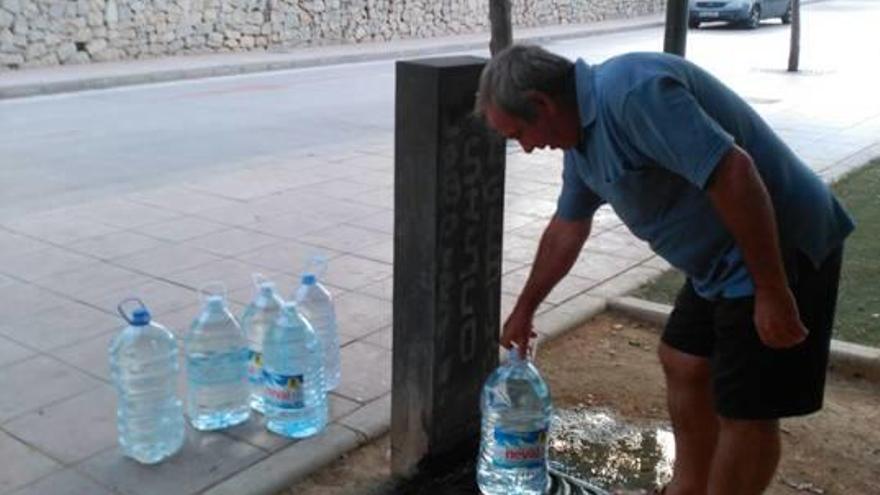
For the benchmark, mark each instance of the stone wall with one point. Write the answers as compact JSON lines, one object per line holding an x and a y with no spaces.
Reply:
{"x":49,"y":32}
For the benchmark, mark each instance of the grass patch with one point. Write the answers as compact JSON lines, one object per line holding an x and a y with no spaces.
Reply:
{"x":663,"y":289}
{"x":858,"y":306}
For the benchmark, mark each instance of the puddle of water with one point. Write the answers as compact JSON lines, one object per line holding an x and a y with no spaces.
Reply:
{"x":587,"y":444}
{"x":594,"y":445}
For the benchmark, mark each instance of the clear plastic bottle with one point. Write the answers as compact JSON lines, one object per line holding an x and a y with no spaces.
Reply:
{"x":516,"y":409}
{"x":216,"y":350}
{"x":144,"y":368}
{"x":296,"y":401}
{"x":315,"y":303}
{"x":256,"y":320}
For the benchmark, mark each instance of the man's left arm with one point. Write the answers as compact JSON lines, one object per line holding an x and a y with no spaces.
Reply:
{"x":741,"y":199}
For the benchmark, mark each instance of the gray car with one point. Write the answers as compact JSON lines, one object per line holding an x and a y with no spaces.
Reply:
{"x":748,"y":13}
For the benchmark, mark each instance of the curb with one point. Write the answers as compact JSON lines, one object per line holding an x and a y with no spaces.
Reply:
{"x":355,"y":53}
{"x":847,"y":358}
{"x":281,"y":470}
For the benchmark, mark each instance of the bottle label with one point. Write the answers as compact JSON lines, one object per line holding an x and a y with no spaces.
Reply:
{"x":255,"y":367}
{"x":520,"y":449}
{"x":284,"y":391}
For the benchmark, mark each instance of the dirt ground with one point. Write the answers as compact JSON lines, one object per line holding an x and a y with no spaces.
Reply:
{"x":611,"y":362}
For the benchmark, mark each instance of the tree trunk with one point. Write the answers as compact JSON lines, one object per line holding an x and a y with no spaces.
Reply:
{"x":675,"y":36}
{"x":499,"y":20}
{"x":794,"y":53}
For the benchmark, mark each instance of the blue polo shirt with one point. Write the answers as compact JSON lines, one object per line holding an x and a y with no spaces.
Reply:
{"x":655,"y":126}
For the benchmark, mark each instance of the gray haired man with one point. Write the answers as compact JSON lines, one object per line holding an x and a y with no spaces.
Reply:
{"x":690,"y":168}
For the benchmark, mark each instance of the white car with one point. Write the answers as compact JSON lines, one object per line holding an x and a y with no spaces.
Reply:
{"x":748,"y":13}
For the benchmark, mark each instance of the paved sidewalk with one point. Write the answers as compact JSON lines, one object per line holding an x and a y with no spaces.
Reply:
{"x":62,"y":273}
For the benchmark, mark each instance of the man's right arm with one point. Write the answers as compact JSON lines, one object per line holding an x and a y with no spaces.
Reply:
{"x":559,"y":248}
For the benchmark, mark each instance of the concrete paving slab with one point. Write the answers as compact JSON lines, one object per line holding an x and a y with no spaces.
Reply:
{"x":358,"y":315}
{"x":92,"y":278}
{"x":366,"y":372}
{"x":38,"y":382}
{"x":372,"y":420}
{"x":19,"y":300}
{"x":71,"y":430}
{"x":289,"y":226}
{"x":115,"y":245}
{"x":288,"y":257}
{"x":121,"y":213}
{"x":59,"y":326}
{"x":382,"y":221}
{"x":352,"y":272}
{"x":512,"y":283}
{"x":231,"y":242}
{"x":181,"y":199}
{"x":383,"y":289}
{"x":382,"y":338}
{"x":206,"y":458}
{"x":182,"y":228}
{"x":345,"y":238}
{"x":66,"y":482}
{"x":233,"y":216}
{"x":625,"y":282}
{"x":622,"y":244}
{"x":11,"y":244}
{"x":12,"y":352}
{"x":382,"y":252}
{"x":380,"y":198}
{"x":234,"y":274}
{"x":521,"y":250}
{"x":166,"y":260}
{"x":600,"y":266}
{"x":21,"y":464}
{"x":36,"y":265}
{"x":158,"y":295}
{"x":90,"y":355}
{"x":58,"y":227}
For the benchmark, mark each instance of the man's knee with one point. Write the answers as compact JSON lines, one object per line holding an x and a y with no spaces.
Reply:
{"x":682,"y":368}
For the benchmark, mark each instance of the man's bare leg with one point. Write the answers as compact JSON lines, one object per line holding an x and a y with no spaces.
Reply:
{"x":746,"y":457}
{"x":694,"y":422}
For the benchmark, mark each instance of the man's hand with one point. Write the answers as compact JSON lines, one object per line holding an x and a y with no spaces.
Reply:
{"x":777,"y":319}
{"x":518,"y":330}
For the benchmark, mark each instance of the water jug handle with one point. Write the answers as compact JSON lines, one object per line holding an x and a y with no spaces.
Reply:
{"x":531,"y":350}
{"x":259,"y":279}
{"x":208,"y":289}
{"x":316,"y":265}
{"x":122,"y":311}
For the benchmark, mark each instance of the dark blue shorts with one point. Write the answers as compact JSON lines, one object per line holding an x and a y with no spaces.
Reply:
{"x":749,"y":379}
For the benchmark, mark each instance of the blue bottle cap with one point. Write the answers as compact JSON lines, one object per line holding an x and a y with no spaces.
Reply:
{"x":215,"y":301}
{"x":309,"y":279}
{"x":140,"y":317}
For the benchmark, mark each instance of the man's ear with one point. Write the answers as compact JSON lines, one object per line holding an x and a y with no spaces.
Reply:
{"x":543,"y":102}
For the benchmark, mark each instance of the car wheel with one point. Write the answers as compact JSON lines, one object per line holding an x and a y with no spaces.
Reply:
{"x":754,"y":17}
{"x":694,"y":24}
{"x":786,"y":17}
